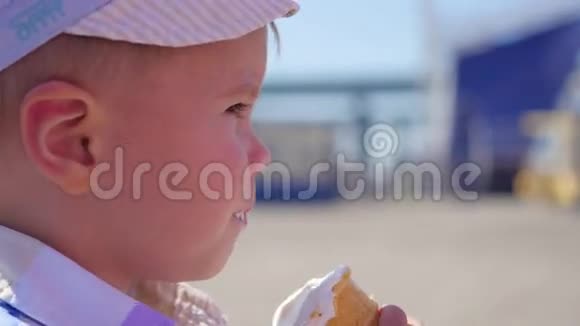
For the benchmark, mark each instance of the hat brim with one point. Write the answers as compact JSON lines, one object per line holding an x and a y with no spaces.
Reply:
{"x":179,"y":23}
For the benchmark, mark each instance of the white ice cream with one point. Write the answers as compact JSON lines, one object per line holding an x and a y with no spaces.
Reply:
{"x":315,"y":296}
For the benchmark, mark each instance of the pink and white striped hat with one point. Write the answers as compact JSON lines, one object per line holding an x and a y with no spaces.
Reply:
{"x":27,"y":24}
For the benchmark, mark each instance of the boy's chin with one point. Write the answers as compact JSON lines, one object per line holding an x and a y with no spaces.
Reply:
{"x":216,"y":261}
{"x":198,"y":273}
{"x":207,"y":269}
{"x":211,"y":271}
{"x":203,"y":267}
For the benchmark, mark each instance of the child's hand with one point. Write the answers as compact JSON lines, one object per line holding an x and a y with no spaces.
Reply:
{"x":395,"y":316}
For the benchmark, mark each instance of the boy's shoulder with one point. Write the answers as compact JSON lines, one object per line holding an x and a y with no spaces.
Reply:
{"x":36,"y":280}
{"x":49,"y":286}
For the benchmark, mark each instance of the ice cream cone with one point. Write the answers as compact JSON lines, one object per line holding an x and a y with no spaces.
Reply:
{"x":352,"y":306}
{"x":333,"y":300}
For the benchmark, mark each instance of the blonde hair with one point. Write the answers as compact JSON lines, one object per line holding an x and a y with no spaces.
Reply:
{"x":83,"y":61}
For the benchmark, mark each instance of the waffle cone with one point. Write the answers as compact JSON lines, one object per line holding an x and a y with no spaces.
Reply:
{"x":352,"y":306}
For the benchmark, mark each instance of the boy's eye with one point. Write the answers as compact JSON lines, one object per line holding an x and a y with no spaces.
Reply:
{"x":238,"y":109}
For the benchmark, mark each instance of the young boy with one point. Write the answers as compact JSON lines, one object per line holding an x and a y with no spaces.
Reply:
{"x":126,"y":149}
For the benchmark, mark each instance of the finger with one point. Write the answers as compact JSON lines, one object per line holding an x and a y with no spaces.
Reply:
{"x":392,"y":316}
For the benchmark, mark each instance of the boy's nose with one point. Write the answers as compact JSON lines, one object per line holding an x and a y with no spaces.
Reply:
{"x":259,"y":153}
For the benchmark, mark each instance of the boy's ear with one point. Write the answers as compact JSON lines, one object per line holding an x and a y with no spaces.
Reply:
{"x":58,"y":123}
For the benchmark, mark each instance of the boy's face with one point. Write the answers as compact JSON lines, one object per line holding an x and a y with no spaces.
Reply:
{"x":191,"y":109}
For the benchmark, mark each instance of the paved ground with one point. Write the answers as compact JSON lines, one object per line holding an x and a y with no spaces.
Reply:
{"x":495,"y":262}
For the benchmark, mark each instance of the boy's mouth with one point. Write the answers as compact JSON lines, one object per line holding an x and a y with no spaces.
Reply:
{"x":241,"y":217}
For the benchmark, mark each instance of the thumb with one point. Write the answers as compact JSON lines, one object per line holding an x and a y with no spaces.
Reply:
{"x":392,"y":316}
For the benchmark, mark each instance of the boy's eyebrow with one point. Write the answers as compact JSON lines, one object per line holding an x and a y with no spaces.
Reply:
{"x":244,"y":89}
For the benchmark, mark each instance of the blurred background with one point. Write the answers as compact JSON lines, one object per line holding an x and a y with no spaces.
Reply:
{"x":445,"y":82}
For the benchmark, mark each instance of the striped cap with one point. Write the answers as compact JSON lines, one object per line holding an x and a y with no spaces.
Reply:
{"x":27,"y":24}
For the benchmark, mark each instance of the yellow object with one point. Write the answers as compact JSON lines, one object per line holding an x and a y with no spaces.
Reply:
{"x":352,"y":306}
{"x":552,"y":170}
{"x":562,"y":189}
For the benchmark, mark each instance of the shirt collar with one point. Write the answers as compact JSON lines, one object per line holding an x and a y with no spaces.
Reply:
{"x":55,"y":290}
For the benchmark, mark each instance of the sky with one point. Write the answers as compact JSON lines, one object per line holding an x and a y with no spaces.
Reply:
{"x":339,"y":37}
{"x":379,"y":38}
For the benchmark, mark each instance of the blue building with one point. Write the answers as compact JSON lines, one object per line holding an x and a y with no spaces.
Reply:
{"x":499,"y":84}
